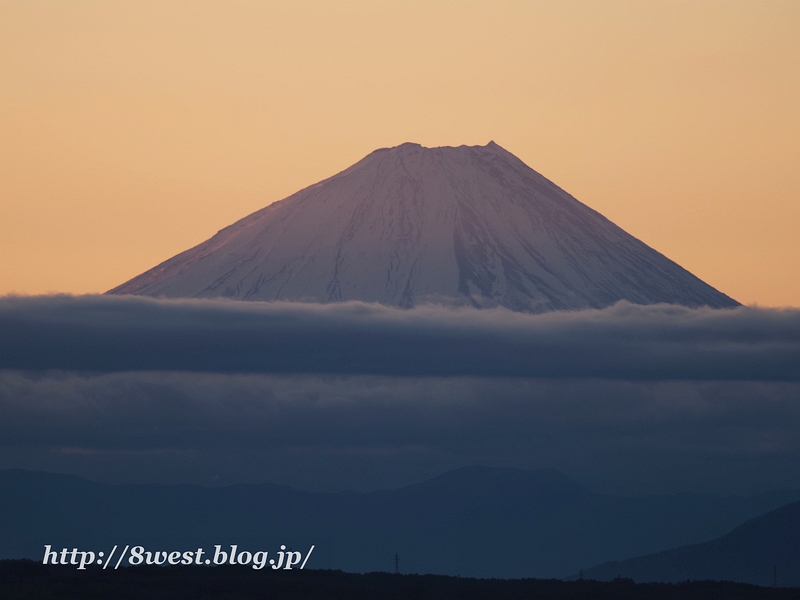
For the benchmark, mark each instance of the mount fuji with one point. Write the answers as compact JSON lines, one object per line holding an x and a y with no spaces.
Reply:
{"x":467,"y":225}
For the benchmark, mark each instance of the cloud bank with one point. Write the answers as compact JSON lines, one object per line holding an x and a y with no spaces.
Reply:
{"x":625,"y":341}
{"x":366,"y":432}
{"x":627,"y":399}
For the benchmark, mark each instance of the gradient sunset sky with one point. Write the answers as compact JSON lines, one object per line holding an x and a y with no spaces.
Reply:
{"x":132,"y":130}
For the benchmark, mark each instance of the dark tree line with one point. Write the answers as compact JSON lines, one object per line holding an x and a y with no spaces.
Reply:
{"x":29,"y":580}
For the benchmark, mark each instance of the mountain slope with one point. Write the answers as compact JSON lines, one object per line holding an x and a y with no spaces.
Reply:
{"x":758,"y":550}
{"x":409,"y":225}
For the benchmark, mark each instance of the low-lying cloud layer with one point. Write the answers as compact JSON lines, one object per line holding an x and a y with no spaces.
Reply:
{"x":629,"y":398}
{"x":365,"y":432}
{"x":105,"y":334}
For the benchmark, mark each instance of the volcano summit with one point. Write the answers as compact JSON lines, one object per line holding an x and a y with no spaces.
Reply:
{"x":410,"y":225}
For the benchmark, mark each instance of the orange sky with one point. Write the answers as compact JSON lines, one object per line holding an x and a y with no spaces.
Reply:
{"x":132,"y":130}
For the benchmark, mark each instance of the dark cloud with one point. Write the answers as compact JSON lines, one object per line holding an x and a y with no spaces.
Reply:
{"x":624,"y":342}
{"x":365,"y":432}
{"x":629,"y":398}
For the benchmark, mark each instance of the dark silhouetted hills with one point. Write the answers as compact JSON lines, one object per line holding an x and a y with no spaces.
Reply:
{"x":475,"y":521}
{"x":749,"y":554}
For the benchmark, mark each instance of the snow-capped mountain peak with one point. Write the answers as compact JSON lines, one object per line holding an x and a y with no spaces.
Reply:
{"x":408,"y":225}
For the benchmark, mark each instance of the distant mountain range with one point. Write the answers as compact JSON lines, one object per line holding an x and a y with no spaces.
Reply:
{"x":477,"y":521}
{"x":762,"y":551}
{"x":410,"y":225}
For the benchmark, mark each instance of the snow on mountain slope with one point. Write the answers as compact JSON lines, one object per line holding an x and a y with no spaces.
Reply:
{"x":409,"y":225}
